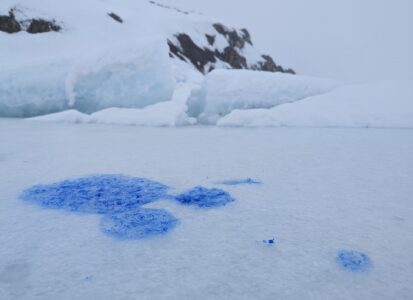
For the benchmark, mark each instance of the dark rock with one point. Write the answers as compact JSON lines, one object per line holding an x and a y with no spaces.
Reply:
{"x":246,"y":36}
{"x":175,"y":51}
{"x":197,"y":56}
{"x":220,"y":28}
{"x":186,"y":50}
{"x":211,"y":39}
{"x":232,"y":36}
{"x":41,"y":26}
{"x":115,"y":17}
{"x":233,"y":58}
{"x":269,"y":65}
{"x":9,"y":24}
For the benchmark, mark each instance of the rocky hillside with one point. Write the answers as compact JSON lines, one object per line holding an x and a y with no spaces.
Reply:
{"x":219,"y":46}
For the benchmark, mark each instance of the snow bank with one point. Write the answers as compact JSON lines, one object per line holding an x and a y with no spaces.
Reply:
{"x":135,"y":74}
{"x":383,"y":104}
{"x":171,"y":113}
{"x":226,"y":90}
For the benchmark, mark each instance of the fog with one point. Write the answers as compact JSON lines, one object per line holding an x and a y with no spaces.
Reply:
{"x":350,"y":40}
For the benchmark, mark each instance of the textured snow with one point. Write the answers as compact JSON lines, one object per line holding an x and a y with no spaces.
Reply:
{"x":354,"y":261}
{"x":325,"y":190}
{"x":246,"y":181}
{"x":119,"y":198}
{"x":204,"y":197}
{"x":383,"y":104}
{"x":100,"y":194}
{"x":138,"y":224}
{"x":226,"y":90}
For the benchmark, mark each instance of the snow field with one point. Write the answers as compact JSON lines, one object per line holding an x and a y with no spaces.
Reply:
{"x":324,"y":190}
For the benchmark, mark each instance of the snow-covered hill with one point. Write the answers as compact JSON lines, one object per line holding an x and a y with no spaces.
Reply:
{"x":148,"y":63}
{"x":92,"y":54}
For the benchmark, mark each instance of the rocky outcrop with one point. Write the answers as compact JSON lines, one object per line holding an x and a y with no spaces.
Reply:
{"x":10,"y":24}
{"x":205,"y":57}
{"x":41,"y":26}
{"x":115,"y":17}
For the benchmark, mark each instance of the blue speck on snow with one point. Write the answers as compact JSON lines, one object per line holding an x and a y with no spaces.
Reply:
{"x":270,"y":242}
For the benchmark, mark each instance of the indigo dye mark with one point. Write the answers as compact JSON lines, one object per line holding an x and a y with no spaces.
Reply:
{"x":119,"y":199}
{"x":100,"y":194}
{"x":354,"y":261}
{"x":138,"y":224}
{"x":269,"y":242}
{"x":246,"y":181}
{"x":203,"y":197}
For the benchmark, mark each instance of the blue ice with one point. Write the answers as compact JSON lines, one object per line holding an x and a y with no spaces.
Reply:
{"x":353,"y":260}
{"x":246,"y":181}
{"x":204,"y":197}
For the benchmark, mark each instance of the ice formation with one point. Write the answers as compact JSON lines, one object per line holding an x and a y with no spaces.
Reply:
{"x":383,"y":104}
{"x":223,"y":91}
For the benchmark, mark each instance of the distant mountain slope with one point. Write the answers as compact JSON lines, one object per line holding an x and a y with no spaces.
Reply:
{"x":205,"y":44}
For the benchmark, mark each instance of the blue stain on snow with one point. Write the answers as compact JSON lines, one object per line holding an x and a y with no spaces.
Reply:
{"x":138,"y":224}
{"x":204,"y":197}
{"x":119,"y":199}
{"x":269,"y":242}
{"x":101,"y":194}
{"x":353,"y":261}
{"x":246,"y":181}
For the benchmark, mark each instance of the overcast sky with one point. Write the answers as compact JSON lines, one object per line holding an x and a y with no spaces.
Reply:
{"x":351,"y":40}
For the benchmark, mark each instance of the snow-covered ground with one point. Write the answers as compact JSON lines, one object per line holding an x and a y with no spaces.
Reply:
{"x":322,"y":191}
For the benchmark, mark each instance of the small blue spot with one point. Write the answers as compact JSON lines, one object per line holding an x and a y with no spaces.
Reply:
{"x":354,"y":261}
{"x":203,"y":197}
{"x":138,"y":224}
{"x":270,"y":242}
{"x":246,"y":181}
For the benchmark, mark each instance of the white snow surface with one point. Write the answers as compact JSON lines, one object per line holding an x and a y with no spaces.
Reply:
{"x":323,"y":190}
{"x":383,"y":104}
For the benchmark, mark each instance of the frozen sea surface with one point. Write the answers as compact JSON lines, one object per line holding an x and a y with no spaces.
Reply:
{"x":324,"y":190}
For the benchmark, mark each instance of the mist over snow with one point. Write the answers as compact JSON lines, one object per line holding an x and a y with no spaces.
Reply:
{"x":350,"y":40}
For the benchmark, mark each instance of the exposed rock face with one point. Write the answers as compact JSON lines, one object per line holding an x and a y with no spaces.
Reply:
{"x":9,"y":23}
{"x":41,"y":26}
{"x":115,"y":17}
{"x":205,"y":57}
{"x":189,"y":50}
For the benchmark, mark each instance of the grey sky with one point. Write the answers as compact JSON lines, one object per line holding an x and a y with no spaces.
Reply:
{"x":352,"y":40}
